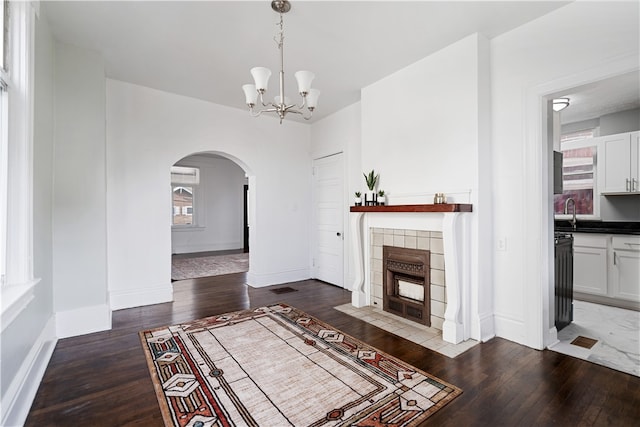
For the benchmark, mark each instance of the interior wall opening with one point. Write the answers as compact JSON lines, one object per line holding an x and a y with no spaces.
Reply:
{"x":603,"y":322}
{"x":209,"y":217}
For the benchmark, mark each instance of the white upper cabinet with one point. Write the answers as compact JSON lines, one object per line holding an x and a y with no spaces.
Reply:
{"x":619,"y":160}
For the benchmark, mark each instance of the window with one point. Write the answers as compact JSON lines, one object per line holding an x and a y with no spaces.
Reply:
{"x":182,"y":205}
{"x":4,"y":135}
{"x":579,"y":178}
{"x":184,"y":181}
{"x":16,"y":158}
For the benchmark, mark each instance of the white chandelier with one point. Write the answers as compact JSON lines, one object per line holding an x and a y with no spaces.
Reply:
{"x":281,"y":104}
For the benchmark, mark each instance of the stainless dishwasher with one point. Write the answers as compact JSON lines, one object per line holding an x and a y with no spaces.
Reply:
{"x":563,"y":279}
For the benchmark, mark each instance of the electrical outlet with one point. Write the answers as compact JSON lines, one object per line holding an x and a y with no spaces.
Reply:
{"x":502,"y":244}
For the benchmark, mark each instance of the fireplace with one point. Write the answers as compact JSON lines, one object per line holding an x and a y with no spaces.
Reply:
{"x":406,"y":283}
{"x":452,"y":299}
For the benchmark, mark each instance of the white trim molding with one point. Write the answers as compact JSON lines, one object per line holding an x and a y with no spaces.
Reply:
{"x":83,"y":320}
{"x":268,"y":279}
{"x":456,"y":237}
{"x":537,"y":210}
{"x":19,"y":396}
{"x":15,"y":298}
{"x":120,"y":299}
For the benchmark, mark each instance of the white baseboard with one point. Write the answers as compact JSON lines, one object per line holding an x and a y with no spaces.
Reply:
{"x":487,"y":327}
{"x":19,"y":396}
{"x":552,"y":337}
{"x":83,"y":320}
{"x":129,"y":298}
{"x":509,"y":328}
{"x":187,"y":249}
{"x":262,"y":280}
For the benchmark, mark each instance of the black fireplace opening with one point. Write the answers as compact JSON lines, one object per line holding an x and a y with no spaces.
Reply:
{"x":406,"y":283}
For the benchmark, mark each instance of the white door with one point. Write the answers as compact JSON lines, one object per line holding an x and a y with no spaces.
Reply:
{"x":328,"y":228}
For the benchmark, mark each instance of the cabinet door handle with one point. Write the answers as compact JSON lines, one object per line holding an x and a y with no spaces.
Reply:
{"x":614,"y":258}
{"x":628,"y":186}
{"x":634,"y":187}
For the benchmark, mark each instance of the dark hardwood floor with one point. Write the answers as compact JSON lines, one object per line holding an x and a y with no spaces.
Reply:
{"x":101,"y":379}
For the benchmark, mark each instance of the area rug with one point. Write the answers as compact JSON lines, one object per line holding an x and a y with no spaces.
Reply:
{"x":278,"y":366}
{"x":192,"y":268}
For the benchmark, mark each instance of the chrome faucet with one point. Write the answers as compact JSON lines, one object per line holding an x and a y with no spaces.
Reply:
{"x":566,"y":211}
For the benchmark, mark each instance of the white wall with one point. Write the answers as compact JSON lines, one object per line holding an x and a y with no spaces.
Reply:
{"x":79,"y":203}
{"x":147,"y":132}
{"x":566,"y":48}
{"x":620,"y":122}
{"x":219,"y":208}
{"x":425,"y":129}
{"x":340,"y":133}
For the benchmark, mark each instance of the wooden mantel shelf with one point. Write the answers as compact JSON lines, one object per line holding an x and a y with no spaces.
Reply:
{"x":444,"y":207}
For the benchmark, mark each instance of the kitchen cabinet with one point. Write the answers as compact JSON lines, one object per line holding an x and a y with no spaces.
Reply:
{"x":590,"y":263}
{"x":619,"y":163}
{"x":625,"y":267}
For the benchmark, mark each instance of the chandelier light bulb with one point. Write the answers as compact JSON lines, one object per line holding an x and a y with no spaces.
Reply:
{"x":304,"y":79}
{"x":312,"y":99}
{"x":261,"y":78}
{"x":251,"y":94}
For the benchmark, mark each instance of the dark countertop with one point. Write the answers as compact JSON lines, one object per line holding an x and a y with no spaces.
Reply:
{"x":604,"y":227}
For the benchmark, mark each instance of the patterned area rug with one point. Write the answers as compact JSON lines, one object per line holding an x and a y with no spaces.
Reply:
{"x":192,"y":268}
{"x":278,"y":366}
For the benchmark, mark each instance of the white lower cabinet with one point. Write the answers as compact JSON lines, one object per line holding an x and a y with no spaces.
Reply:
{"x":625,"y":268}
{"x":590,"y":263}
{"x":607,"y":267}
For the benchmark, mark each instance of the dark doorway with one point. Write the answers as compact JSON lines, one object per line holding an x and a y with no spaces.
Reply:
{"x":246,"y":218}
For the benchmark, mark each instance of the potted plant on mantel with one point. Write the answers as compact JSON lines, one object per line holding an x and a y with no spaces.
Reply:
{"x":371,"y":179}
{"x":381,"y":197}
{"x":358,"y":200}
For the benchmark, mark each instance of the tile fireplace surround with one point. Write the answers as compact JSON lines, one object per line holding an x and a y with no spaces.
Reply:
{"x":411,"y":239}
{"x":446,"y":225}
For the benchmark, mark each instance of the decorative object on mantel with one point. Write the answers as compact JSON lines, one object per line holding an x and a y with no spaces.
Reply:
{"x":439,"y":198}
{"x":371,"y":179}
{"x":381,"y":198}
{"x":358,"y":200}
{"x":281,"y":104}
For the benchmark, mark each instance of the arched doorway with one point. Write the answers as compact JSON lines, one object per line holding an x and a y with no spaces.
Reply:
{"x":209,"y":216}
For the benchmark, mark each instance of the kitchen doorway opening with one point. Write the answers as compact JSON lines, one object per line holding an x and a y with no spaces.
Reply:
{"x":594,"y":116}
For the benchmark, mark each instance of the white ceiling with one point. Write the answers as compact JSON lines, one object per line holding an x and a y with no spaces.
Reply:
{"x":204,"y":49}
{"x":604,"y":97}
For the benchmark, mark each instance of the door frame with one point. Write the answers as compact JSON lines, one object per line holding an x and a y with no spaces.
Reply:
{"x":345,"y":218}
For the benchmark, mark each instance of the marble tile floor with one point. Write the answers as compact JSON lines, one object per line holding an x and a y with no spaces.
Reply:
{"x":617,"y":331}
{"x":430,"y":338}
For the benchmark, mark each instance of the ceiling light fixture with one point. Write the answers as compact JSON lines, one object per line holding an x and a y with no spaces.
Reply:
{"x":281,"y":104}
{"x":560,"y":104}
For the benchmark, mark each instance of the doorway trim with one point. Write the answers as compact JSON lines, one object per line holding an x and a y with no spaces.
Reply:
{"x":249,"y":210}
{"x":538,"y":215}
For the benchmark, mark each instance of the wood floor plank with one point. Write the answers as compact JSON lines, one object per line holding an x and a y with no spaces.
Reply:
{"x":101,"y":379}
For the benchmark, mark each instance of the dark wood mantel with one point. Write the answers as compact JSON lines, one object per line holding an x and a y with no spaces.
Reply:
{"x":444,"y":207}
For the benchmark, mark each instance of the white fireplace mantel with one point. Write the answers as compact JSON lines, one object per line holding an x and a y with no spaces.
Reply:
{"x":447,"y":218}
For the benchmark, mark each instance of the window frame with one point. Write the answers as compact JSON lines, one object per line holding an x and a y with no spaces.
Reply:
{"x":16,"y":200}
{"x":577,"y":144}
{"x":174,"y":187}
{"x":181,"y":179}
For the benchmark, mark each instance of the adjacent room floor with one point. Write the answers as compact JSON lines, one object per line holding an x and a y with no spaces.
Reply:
{"x":616,"y":333}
